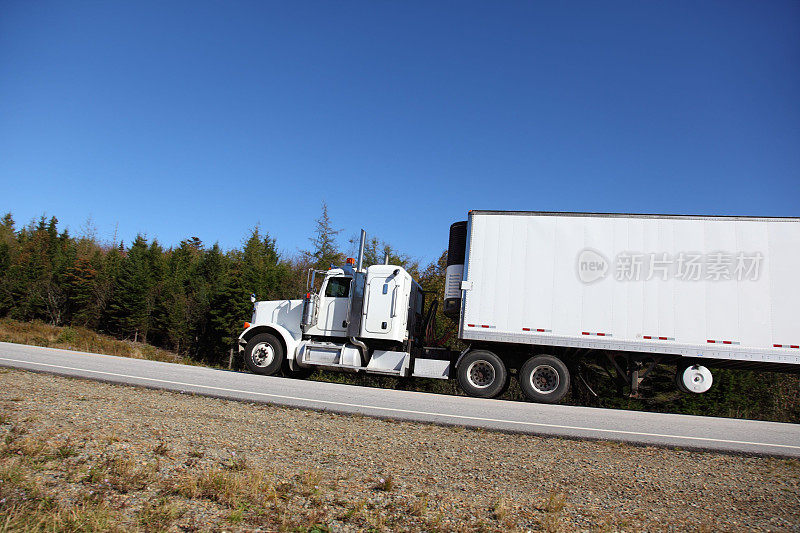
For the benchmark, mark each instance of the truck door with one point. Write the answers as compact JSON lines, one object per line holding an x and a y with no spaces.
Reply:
{"x":381,"y":301}
{"x":334,"y":306}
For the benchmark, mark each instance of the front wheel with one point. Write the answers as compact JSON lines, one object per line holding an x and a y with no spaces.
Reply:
{"x":544,"y":379}
{"x":263,"y":354}
{"x":482,"y":374}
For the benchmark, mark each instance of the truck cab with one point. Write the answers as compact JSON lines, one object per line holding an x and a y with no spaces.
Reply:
{"x":356,"y":319}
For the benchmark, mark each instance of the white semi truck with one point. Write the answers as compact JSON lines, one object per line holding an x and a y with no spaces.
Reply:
{"x":536,"y":293}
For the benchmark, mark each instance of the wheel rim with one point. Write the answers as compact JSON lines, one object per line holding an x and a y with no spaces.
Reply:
{"x":480,"y":374}
{"x":697,"y":379}
{"x":544,"y":379}
{"x":263,"y":354}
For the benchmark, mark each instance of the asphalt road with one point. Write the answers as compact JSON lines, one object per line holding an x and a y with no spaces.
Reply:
{"x":684,"y":431}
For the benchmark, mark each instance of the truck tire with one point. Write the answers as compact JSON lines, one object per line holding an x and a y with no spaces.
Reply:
{"x":482,"y":374}
{"x":263,"y":354}
{"x":544,"y":379}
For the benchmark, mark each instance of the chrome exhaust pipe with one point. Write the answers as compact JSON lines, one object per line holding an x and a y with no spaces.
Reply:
{"x":361,"y":250}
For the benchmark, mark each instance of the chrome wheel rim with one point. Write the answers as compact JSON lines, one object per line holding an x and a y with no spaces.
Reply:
{"x":480,"y":374}
{"x":263,"y":354}
{"x":697,"y":379}
{"x":544,"y":379}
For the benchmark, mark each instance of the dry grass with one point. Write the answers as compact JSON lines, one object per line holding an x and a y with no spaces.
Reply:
{"x":119,"y":474}
{"x":233,"y":489}
{"x":501,"y":509}
{"x":158,"y":514}
{"x":85,"y":457}
{"x":553,"y":510}
{"x":161,"y":449}
{"x":385,"y":484}
{"x":24,"y":506}
{"x":81,"y":339}
{"x":419,"y":505}
{"x":241,"y":499}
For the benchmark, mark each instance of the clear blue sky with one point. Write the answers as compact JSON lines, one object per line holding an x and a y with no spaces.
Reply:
{"x":201,"y":118}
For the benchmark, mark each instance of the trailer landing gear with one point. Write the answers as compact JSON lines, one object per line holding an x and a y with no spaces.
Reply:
{"x":634,"y":373}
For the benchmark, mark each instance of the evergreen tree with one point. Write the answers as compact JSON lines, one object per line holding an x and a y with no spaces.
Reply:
{"x":262,"y":268}
{"x":229,"y":308}
{"x":324,"y":252}
{"x":130,"y":309}
{"x":7,"y":245}
{"x":79,"y":285}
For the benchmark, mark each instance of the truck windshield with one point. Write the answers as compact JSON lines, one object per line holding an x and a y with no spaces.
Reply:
{"x":338,"y":288}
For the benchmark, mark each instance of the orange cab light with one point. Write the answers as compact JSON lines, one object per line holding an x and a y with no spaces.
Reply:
{"x":246,"y":325}
{"x":350,"y":261}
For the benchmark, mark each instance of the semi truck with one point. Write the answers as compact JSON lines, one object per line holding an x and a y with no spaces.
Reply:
{"x":534,"y":295}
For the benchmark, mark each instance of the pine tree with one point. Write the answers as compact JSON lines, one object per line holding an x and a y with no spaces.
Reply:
{"x":130,"y":307}
{"x":229,"y":308}
{"x":7,"y":245}
{"x":324,"y":252}
{"x":79,"y":285}
{"x":262,"y":267}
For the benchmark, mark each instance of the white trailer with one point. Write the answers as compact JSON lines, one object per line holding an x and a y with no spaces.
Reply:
{"x":641,"y":289}
{"x":536,"y":293}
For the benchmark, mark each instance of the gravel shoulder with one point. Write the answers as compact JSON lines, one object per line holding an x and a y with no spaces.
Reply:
{"x":130,"y":458}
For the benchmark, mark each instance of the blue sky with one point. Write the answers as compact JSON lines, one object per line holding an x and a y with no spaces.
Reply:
{"x":178,"y":119}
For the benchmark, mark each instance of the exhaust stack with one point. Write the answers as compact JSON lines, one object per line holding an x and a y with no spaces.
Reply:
{"x":361,"y":250}
{"x":357,"y":301}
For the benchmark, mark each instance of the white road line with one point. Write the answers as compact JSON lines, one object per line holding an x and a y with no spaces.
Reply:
{"x":395,"y":410}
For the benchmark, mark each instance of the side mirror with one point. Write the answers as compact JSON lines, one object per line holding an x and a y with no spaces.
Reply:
{"x":253,"y":298}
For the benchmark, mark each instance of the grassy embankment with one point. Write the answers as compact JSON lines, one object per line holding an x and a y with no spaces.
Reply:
{"x":82,"y":340}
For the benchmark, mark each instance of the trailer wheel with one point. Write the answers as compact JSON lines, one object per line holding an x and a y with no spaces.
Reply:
{"x":482,"y":374}
{"x":544,"y":379}
{"x":263,"y":354}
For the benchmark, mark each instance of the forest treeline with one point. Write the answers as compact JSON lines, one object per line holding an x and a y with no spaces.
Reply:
{"x":191,"y":298}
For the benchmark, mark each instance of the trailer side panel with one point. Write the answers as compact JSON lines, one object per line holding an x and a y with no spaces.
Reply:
{"x":713,"y":287}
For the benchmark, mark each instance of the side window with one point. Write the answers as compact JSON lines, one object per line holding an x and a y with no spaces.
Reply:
{"x":338,"y":288}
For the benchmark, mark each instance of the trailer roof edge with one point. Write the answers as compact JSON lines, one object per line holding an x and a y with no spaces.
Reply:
{"x":634,"y":215}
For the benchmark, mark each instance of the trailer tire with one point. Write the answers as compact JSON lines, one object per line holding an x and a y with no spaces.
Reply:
{"x":544,"y":379}
{"x":263,"y":354}
{"x":482,"y":374}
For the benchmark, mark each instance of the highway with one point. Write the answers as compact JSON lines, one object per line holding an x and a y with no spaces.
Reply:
{"x":684,"y":431}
